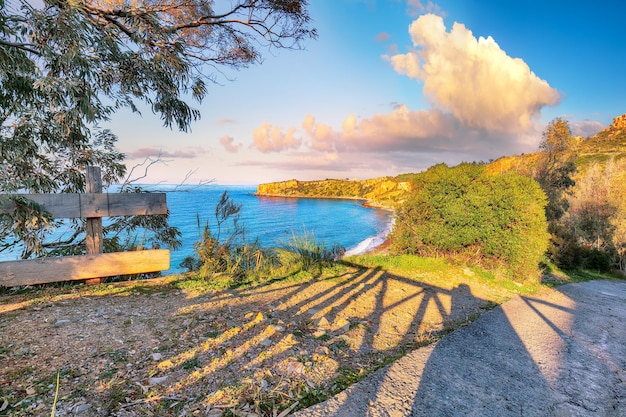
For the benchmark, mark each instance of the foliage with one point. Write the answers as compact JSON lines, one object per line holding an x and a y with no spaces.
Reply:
{"x":556,"y":167}
{"x":474,"y":217}
{"x":381,"y":191}
{"x":230,"y":254}
{"x":68,"y":66}
{"x":587,"y":227}
{"x":224,"y":251}
{"x":305,"y":253}
{"x":595,"y":231}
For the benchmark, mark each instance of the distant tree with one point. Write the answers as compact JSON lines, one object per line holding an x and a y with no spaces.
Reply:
{"x":595,"y":220}
{"x":468,"y":215}
{"x":556,"y":167}
{"x":67,"y":66}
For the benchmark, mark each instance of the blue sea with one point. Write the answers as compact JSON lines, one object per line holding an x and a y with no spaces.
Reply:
{"x":274,"y":220}
{"x":271,"y":220}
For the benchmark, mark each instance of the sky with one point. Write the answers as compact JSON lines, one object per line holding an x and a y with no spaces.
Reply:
{"x":396,"y":86}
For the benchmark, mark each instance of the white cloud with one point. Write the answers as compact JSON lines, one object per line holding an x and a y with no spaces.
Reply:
{"x":473,"y":78}
{"x":484,"y":104}
{"x":268,"y":138}
{"x":229,"y":144}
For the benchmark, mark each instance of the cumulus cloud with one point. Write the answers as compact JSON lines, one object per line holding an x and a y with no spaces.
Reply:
{"x":484,"y":104}
{"x":268,"y":138}
{"x":187,"y":153}
{"x":229,"y":144}
{"x":586,"y":128}
{"x":473,"y":78}
{"x":323,"y":138}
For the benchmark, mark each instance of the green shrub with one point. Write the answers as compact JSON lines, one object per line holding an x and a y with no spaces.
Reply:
{"x":305,"y":253}
{"x":466,"y":214}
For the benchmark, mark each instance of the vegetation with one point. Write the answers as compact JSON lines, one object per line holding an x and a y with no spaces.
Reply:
{"x":225,"y":256}
{"x":466,"y":214}
{"x":382,"y":191}
{"x":68,"y":66}
{"x":584,"y":182}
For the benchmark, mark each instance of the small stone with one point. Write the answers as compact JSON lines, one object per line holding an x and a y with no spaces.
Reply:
{"x":266,"y":342}
{"x":290,"y":339}
{"x":30,"y":391}
{"x":319,"y":333}
{"x":342,"y":325}
{"x":61,"y":322}
{"x":322,"y":350}
{"x":156,"y":356}
{"x":295,"y":368}
{"x":277,"y":328}
{"x":157,"y":380}
{"x":81,"y":408}
{"x":322,"y":323}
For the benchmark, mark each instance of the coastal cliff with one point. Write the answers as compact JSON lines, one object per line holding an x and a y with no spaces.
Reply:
{"x":380,"y":192}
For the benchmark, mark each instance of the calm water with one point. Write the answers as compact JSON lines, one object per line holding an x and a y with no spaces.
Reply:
{"x":273,"y":220}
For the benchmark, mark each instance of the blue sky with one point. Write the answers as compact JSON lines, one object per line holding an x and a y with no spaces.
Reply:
{"x":395,"y":86}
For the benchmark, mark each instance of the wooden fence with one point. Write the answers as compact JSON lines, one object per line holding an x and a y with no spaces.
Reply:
{"x":93,"y":205}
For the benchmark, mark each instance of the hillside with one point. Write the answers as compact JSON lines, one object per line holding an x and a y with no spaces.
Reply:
{"x":597,"y":149}
{"x":380,"y":192}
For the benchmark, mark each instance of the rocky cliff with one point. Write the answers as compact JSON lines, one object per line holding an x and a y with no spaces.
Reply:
{"x":381,"y":192}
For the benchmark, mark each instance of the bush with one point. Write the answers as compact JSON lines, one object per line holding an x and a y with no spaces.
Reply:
{"x":468,"y":215}
{"x":305,"y":253}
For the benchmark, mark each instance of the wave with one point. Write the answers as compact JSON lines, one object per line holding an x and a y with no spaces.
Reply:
{"x":371,"y":242}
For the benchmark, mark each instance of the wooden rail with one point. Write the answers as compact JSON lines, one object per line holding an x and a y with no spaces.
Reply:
{"x":92,"y":206}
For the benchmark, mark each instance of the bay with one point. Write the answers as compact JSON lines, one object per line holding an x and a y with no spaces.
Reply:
{"x":274,"y":220}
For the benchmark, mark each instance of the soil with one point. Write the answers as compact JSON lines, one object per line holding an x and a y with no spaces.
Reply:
{"x":150,"y":348}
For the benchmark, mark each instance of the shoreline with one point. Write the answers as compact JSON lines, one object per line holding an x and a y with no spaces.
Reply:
{"x":381,"y":248}
{"x":366,"y":203}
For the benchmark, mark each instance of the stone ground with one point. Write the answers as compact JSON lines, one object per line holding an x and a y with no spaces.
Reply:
{"x":560,"y":354}
{"x":161,"y":348}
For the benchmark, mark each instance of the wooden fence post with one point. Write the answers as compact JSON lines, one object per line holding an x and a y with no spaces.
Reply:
{"x":93,"y":227}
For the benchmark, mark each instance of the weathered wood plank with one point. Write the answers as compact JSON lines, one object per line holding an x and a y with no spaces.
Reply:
{"x":68,"y":205}
{"x":70,"y":268}
{"x":93,"y":226}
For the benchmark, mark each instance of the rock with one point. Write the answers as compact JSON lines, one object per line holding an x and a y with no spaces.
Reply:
{"x":30,"y":391}
{"x":266,"y":342}
{"x":319,"y":333}
{"x":290,"y":339}
{"x":322,"y":323}
{"x":342,"y":325}
{"x":322,"y":350}
{"x":277,"y":328}
{"x":61,"y":322}
{"x":156,"y":356}
{"x":294,"y":368}
{"x":157,"y":380}
{"x":81,"y":408}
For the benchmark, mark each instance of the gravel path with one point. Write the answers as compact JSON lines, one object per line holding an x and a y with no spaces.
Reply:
{"x":559,"y":354}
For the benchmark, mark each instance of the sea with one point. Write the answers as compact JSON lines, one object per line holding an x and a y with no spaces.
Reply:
{"x":271,"y":220}
{"x":275,"y":220}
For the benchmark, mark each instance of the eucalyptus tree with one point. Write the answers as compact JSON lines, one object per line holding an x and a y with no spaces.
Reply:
{"x":66,"y":66}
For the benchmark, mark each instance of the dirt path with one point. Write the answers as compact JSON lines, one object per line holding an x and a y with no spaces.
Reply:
{"x":558,"y":354}
{"x":162,"y":348}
